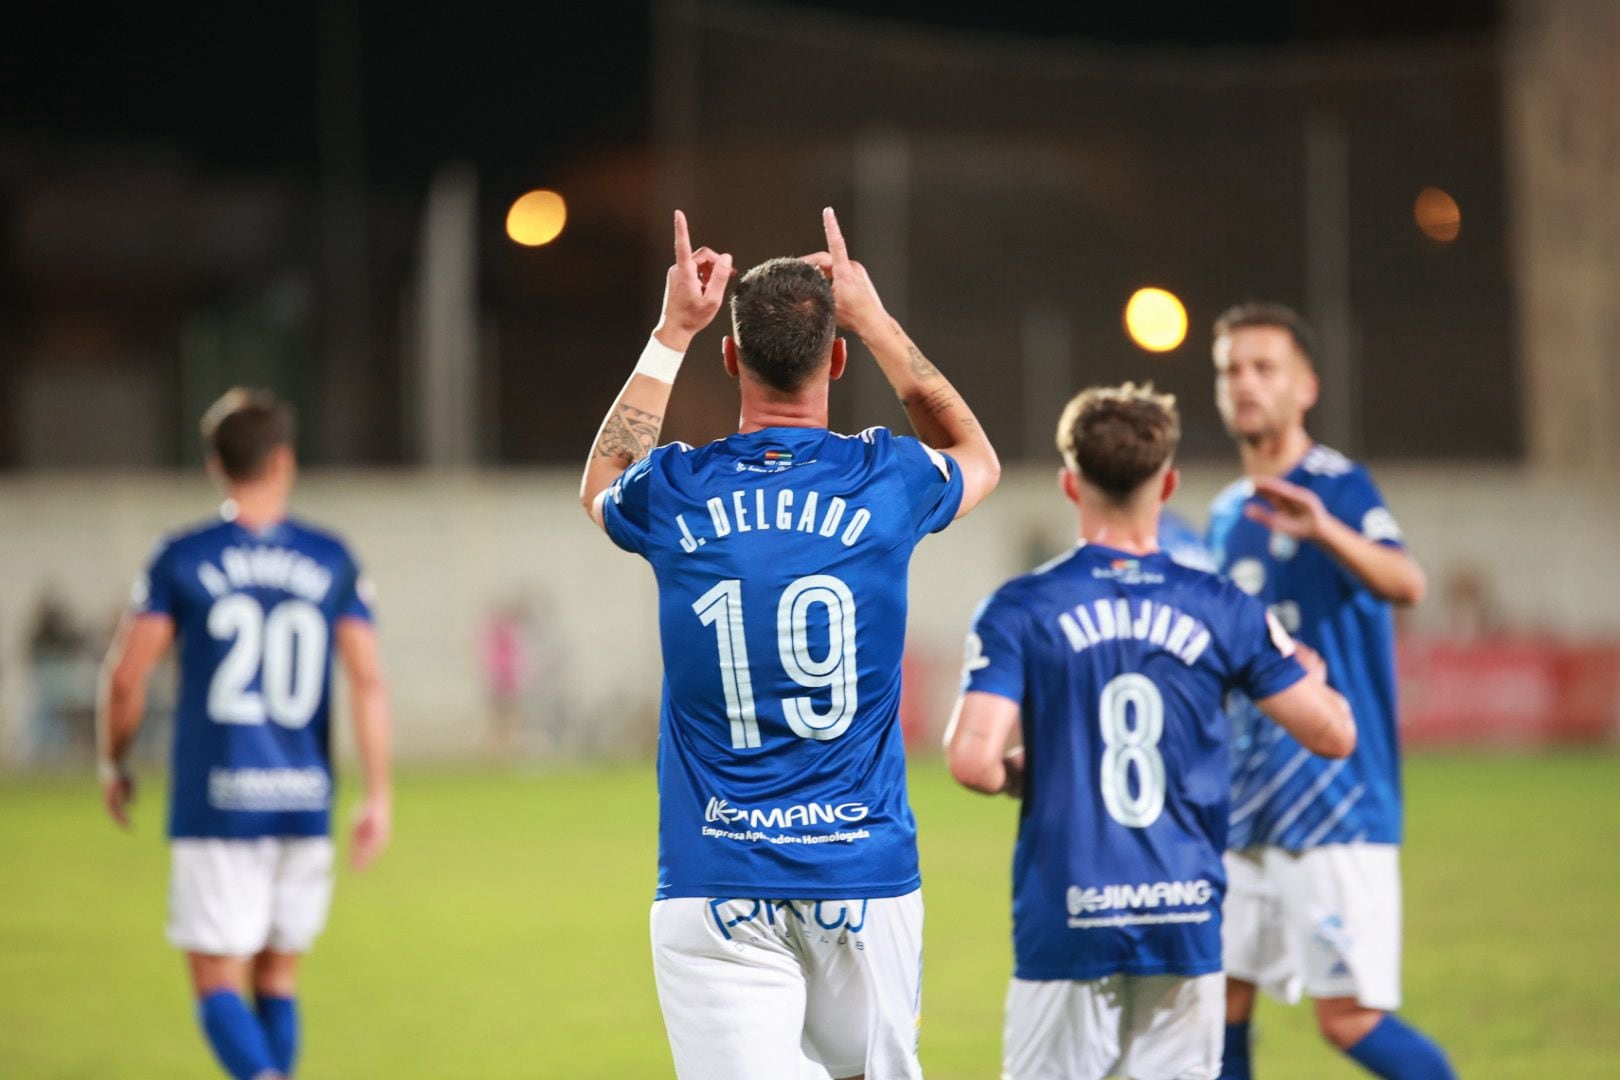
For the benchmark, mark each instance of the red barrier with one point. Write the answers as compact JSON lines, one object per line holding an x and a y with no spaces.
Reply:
{"x":1508,"y":691}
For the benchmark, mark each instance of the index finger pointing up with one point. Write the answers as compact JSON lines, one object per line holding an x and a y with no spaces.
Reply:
{"x":683,"y":241}
{"x":835,"y":236}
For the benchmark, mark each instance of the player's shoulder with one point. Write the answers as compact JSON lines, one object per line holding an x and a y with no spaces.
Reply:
{"x":1213,"y":593}
{"x":316,"y":540}
{"x":1036,"y":588}
{"x":192,"y":538}
{"x":1324,"y":466}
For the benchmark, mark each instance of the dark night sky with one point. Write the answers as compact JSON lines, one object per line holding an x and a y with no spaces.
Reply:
{"x":517,"y":88}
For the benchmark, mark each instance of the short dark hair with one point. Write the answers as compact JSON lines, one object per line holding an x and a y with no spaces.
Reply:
{"x":1117,"y":437}
{"x":242,"y":427}
{"x":1281,"y":316}
{"x":783,"y":321}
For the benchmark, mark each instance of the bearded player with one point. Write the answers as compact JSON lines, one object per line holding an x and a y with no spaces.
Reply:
{"x":1314,"y":904}
{"x":788,"y":917}
{"x":258,"y":604}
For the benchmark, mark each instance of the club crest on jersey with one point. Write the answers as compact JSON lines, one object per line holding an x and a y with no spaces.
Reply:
{"x":1249,"y":575}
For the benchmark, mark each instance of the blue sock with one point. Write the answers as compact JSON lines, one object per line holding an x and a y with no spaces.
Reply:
{"x":235,"y":1035}
{"x":1235,"y":1060}
{"x":1398,"y":1052}
{"x":278,"y":1016}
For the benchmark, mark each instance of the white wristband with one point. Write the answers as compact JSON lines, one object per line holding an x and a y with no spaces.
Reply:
{"x":107,"y":770}
{"x":659,"y":361}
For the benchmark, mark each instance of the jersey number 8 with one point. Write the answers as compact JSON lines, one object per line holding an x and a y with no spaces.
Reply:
{"x":1132,"y":748}
{"x":721,"y":607}
{"x":286,"y":649}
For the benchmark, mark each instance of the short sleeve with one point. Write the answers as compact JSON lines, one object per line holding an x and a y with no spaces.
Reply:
{"x":933,"y":483}
{"x":993,"y":658}
{"x":1357,"y":502}
{"x":626,"y":512}
{"x":357,"y":596}
{"x":1264,"y":652}
{"x":154,"y":592}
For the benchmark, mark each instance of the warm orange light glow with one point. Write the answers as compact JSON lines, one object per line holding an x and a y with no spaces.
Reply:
{"x":537,"y":218}
{"x":1156,"y":320}
{"x":1436,"y":213}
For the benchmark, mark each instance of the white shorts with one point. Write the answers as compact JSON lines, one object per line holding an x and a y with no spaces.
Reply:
{"x":751,"y":988}
{"x":239,"y":897}
{"x":1145,"y":1027}
{"x":1325,"y":923}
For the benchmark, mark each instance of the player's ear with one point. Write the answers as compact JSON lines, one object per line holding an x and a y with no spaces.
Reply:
{"x":728,"y":355}
{"x":1069,"y":484}
{"x":1307,"y":390}
{"x":1172,"y":483}
{"x":279,"y":465}
{"x":840,"y":358}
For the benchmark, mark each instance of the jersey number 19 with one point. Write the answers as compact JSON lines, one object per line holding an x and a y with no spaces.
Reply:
{"x":721,"y":607}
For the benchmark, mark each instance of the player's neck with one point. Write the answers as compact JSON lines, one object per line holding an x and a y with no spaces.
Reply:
{"x":257,"y":507}
{"x":1274,"y":455}
{"x":1132,"y":531}
{"x":764,"y":408}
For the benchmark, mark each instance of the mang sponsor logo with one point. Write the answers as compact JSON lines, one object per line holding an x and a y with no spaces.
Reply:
{"x":784,"y":817}
{"x":1143,"y":896}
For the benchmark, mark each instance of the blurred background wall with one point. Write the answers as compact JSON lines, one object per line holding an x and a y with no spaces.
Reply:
{"x":333,"y":213}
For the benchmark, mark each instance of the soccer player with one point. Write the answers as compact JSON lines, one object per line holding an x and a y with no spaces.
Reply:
{"x":788,"y":911}
{"x":1112,"y":662}
{"x":258,"y":603}
{"x":1315,"y":897}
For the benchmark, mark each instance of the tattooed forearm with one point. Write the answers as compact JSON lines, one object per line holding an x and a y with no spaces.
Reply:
{"x":629,"y":434}
{"x":921,"y":367}
{"x":938,"y":402}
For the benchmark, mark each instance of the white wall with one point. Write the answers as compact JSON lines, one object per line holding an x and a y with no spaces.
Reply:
{"x":444,"y":549}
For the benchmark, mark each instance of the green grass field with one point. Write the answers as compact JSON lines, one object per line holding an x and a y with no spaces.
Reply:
{"x":505,"y":934}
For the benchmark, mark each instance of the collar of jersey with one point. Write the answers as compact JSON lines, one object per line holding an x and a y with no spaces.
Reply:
{"x":781,"y":433}
{"x":1106,"y":552}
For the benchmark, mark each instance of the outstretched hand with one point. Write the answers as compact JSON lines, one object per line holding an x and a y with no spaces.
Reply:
{"x":1288,"y":508}
{"x":859,"y":308}
{"x":694,"y":289}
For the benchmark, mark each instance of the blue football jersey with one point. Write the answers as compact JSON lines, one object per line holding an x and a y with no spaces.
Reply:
{"x":1119,"y":665}
{"x":1282,"y":794}
{"x":1183,"y":543}
{"x":254,"y":615}
{"x":781,"y":560}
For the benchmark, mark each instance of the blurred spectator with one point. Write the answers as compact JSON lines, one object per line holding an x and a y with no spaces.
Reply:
{"x":505,"y":654}
{"x":1468,"y":606}
{"x":64,"y":680}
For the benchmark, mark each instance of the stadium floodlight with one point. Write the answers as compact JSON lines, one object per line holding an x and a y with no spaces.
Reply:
{"x":1437,"y":214}
{"x":1155,"y":319}
{"x":536,"y":218}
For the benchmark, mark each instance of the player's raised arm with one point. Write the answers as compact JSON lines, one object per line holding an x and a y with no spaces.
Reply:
{"x":1312,"y":711}
{"x":1391,"y":572}
{"x":357,"y":645}
{"x":139,"y":644}
{"x":938,"y":414}
{"x":694,"y":289}
{"x":976,"y":744}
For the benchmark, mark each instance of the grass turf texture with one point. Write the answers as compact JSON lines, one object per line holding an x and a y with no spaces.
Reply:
{"x":505,"y":934}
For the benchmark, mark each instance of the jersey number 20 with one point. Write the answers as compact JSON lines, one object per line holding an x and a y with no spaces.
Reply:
{"x":286,"y":649}
{"x":721,"y":607}
{"x":1132,"y":748}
